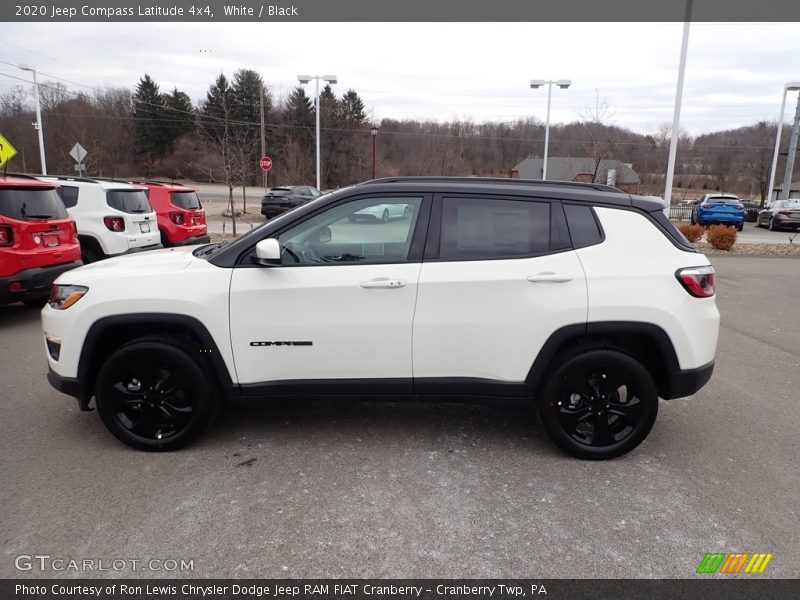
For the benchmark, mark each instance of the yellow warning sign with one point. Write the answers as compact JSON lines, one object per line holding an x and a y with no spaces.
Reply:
{"x":7,"y":151}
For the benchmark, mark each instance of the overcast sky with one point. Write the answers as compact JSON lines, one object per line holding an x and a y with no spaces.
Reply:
{"x":735,"y":72}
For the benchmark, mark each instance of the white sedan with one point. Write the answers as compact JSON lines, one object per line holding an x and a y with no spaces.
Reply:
{"x":384,"y":212}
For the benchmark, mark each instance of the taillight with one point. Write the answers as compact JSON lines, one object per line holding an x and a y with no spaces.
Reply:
{"x":740,"y":206}
{"x":114,"y":223}
{"x":698,"y":281}
{"x":176,"y":217}
{"x":6,"y":235}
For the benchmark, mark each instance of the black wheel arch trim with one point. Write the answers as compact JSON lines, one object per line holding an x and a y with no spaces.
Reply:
{"x":673,"y":382}
{"x":82,"y":387}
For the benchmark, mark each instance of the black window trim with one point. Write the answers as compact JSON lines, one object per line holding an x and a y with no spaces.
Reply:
{"x":596,"y":220}
{"x":415,"y":250}
{"x":433,"y":245}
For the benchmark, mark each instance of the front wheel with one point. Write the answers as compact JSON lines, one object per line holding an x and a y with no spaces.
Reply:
{"x":771,"y":225}
{"x":385,"y":216}
{"x":599,"y":404}
{"x":153,"y":394}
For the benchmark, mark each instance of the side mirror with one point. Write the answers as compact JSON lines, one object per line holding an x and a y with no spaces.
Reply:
{"x":324,"y":235}
{"x":268,"y":253}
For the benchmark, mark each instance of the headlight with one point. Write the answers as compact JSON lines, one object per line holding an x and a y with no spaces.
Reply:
{"x":64,"y":296}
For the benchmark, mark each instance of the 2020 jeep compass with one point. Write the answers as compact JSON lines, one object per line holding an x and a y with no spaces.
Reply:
{"x":578,"y":298}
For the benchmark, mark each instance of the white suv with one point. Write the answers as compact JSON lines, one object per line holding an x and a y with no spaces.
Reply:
{"x":578,"y":298}
{"x":113,"y":217}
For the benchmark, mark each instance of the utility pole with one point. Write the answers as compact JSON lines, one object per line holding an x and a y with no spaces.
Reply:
{"x":787,"y":176}
{"x":676,"y":117}
{"x":263,"y":135}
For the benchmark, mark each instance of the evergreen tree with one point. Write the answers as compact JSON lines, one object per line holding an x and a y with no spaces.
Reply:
{"x":329,"y":124}
{"x":151,"y":137}
{"x":180,"y":111}
{"x":352,"y":110}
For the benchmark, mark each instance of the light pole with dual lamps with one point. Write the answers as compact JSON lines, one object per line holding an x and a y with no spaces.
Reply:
{"x":303,"y":79}
{"x":792,"y":86}
{"x":38,"y":116}
{"x":536,"y":83}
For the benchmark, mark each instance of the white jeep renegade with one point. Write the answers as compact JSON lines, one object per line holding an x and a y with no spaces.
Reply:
{"x":577,"y":298}
{"x":113,"y":217}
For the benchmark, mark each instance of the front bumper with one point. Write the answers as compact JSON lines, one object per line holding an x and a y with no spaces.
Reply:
{"x":683,"y":383}
{"x":71,"y":387}
{"x":36,"y":282}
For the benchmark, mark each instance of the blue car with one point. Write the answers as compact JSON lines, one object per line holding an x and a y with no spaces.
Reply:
{"x":719,"y":209}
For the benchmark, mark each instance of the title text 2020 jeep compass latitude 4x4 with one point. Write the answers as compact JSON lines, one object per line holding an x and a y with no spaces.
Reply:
{"x":577,"y":297}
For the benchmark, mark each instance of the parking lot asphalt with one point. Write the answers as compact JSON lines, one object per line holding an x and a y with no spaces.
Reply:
{"x":391,"y":490}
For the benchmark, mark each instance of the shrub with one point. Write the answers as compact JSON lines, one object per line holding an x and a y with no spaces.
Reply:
{"x":692,"y":232}
{"x":721,"y":237}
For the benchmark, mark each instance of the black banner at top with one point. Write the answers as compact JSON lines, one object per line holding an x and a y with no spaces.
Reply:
{"x":399,"y":11}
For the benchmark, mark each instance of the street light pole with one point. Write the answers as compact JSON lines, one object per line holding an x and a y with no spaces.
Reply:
{"x":791,"y":86}
{"x":303,"y":79}
{"x":38,"y":116}
{"x":374,"y":130}
{"x":676,"y":115}
{"x":789,"y":171}
{"x":563,"y":84}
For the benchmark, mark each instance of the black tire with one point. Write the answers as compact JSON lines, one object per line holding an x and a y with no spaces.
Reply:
{"x":771,"y":225}
{"x":593,"y":387}
{"x":164,"y":239}
{"x":89,"y":256}
{"x":385,"y":216}
{"x":740,"y":227}
{"x":154,"y":394}
{"x":36,"y":302}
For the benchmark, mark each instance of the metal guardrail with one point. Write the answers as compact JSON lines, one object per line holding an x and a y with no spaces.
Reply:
{"x":680,"y":212}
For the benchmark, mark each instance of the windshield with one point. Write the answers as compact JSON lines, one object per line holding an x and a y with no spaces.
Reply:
{"x":129,"y":201}
{"x":31,"y":204}
{"x":187,"y":200}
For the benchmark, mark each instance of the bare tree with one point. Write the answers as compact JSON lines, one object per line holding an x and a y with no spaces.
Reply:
{"x":601,"y":138}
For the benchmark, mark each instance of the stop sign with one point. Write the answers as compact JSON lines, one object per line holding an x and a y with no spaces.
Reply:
{"x":265,"y":163}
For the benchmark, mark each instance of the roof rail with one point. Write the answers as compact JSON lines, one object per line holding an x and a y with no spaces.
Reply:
{"x":72,"y":178}
{"x":20,"y":175}
{"x":157,"y":182}
{"x":503,"y":180}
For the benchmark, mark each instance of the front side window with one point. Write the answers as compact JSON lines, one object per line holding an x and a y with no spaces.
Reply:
{"x":373,"y":230}
{"x":479,"y":228}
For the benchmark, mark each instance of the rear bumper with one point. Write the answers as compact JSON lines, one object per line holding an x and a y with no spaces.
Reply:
{"x":270,"y":211}
{"x":36,"y":282}
{"x":193,"y":241}
{"x":139,"y":249}
{"x":720,"y":219}
{"x":685,"y":383}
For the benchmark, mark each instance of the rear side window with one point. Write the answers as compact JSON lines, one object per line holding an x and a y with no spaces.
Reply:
{"x":478,"y":228}
{"x":31,"y":204}
{"x":187,"y":200}
{"x":69,"y":195}
{"x":583,"y":227}
{"x":129,"y":201}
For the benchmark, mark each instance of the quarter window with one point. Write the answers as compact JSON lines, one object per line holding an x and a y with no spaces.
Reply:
{"x":374,"y":230}
{"x":479,"y":228}
{"x":69,"y":195}
{"x":583,"y":226}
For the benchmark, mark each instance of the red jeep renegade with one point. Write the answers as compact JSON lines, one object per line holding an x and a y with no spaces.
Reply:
{"x":181,"y":218}
{"x":38,"y":239}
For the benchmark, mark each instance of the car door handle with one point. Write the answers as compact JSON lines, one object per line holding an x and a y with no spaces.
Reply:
{"x":549,"y":278}
{"x":383,"y":283}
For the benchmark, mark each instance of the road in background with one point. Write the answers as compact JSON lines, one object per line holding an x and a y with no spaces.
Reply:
{"x":422,"y":490}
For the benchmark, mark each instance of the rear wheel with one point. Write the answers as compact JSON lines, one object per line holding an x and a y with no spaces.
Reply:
{"x":153,"y":394}
{"x":89,"y":256}
{"x":599,"y":404}
{"x":740,"y":226}
{"x":385,"y":216}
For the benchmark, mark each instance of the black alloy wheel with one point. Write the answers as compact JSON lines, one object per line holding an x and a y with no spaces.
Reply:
{"x":599,"y":404}
{"x":153,"y":395}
